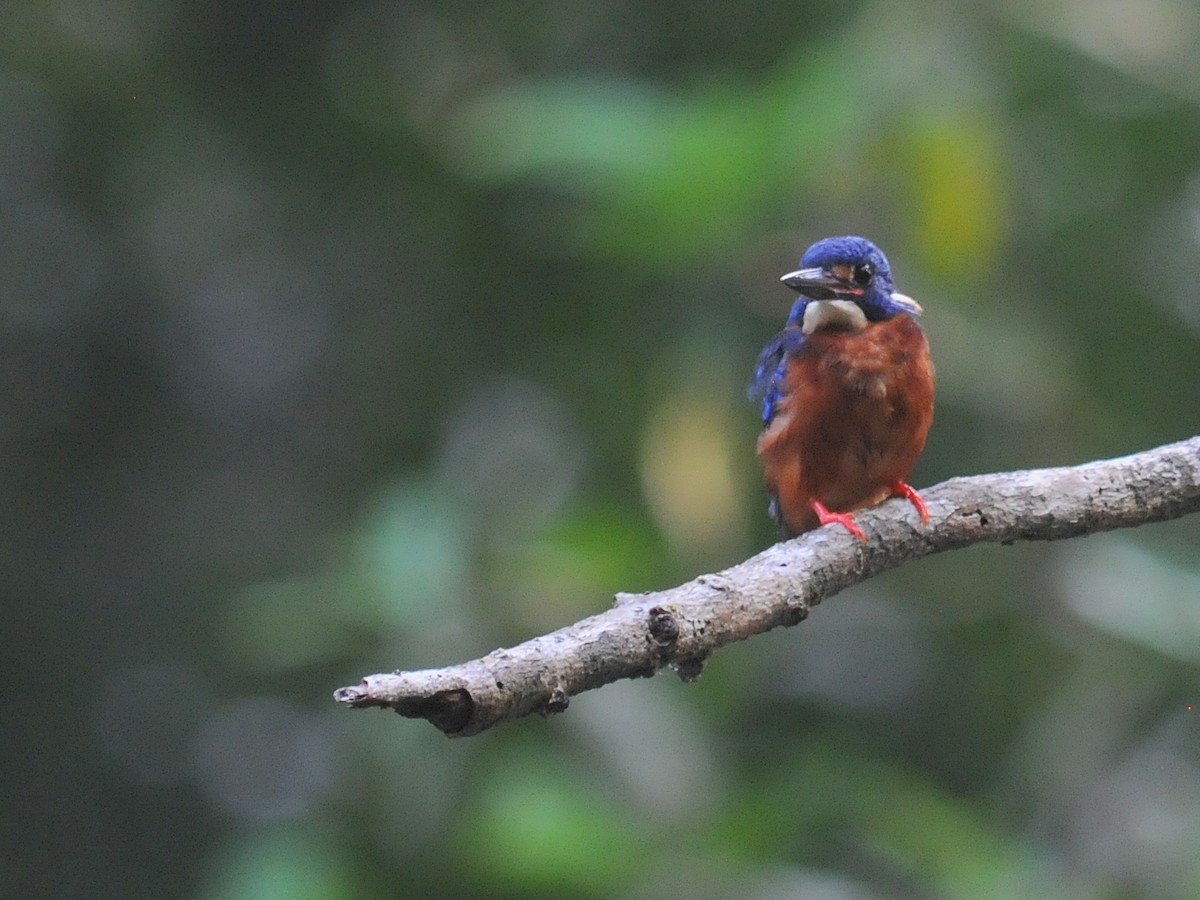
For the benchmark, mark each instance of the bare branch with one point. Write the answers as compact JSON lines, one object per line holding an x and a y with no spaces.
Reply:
{"x":683,"y":626}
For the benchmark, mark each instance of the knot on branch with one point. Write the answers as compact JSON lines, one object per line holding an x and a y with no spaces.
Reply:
{"x":664,"y":626}
{"x":689,"y":669}
{"x":557,"y":702}
{"x":795,"y":611}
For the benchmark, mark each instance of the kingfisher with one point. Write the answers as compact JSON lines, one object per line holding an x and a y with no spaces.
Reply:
{"x":847,"y":391}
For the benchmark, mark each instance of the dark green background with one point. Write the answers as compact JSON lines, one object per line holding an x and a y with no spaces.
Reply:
{"x":336,"y":337}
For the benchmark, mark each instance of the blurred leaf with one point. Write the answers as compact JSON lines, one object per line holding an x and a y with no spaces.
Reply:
{"x":572,"y":567}
{"x":1139,"y":596}
{"x":537,"y":829}
{"x":944,"y":839}
{"x":670,"y":176}
{"x":297,"y":622}
{"x":289,"y":864}
{"x":958,"y":188}
{"x":837,"y":798}
{"x":412,"y":548}
{"x":408,"y":568}
{"x":604,"y":131}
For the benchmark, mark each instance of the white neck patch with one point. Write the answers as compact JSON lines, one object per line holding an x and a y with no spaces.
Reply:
{"x":843,"y":315}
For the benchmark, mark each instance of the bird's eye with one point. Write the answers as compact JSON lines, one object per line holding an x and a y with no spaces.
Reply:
{"x":863,"y":273}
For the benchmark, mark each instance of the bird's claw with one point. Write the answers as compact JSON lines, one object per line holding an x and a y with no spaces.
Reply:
{"x":909,"y":493}
{"x":846,"y":520}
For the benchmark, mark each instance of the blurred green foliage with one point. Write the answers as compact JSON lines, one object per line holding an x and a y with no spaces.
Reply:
{"x":345,"y":336}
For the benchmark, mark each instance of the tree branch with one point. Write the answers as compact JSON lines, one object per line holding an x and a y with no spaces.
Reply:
{"x":683,"y":626}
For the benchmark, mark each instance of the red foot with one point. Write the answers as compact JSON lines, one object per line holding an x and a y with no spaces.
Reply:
{"x":846,"y":520}
{"x":909,"y":493}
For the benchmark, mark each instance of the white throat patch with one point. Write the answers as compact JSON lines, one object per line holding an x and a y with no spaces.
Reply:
{"x":843,"y":315}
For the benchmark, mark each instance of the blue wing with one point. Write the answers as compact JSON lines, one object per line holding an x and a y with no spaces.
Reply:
{"x":768,"y":377}
{"x":772,"y":362}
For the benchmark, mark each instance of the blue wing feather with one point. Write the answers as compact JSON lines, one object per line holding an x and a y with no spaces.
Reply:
{"x":772,"y":362}
{"x":769,"y":378}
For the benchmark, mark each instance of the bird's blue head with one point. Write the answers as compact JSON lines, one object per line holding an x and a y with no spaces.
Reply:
{"x":848,"y":269}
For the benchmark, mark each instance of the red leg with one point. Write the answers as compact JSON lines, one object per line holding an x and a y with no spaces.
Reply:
{"x":846,"y":520}
{"x":909,"y":493}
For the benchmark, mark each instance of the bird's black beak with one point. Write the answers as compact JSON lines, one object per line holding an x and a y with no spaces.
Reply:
{"x":820,"y":284}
